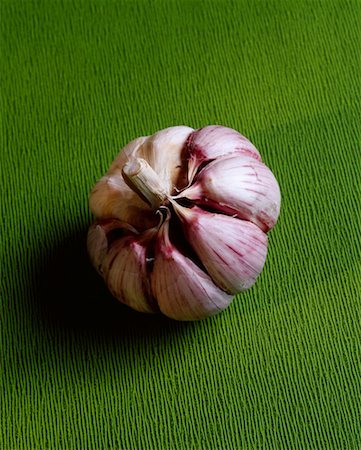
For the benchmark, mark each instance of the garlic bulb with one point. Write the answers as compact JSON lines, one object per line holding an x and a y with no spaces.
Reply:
{"x":182,"y":217}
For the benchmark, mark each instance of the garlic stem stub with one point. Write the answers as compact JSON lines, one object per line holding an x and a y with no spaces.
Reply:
{"x":181,"y":221}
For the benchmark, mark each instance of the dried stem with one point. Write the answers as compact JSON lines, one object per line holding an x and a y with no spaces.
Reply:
{"x":143,"y":180}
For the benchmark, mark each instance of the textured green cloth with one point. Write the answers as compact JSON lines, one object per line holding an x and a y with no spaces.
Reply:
{"x":281,"y":367}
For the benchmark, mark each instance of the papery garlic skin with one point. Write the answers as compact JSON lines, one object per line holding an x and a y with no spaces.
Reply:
{"x":182,"y":217}
{"x":215,"y":141}
{"x":127,"y":278}
{"x":232,"y":250}
{"x":111,"y":197}
{"x":182,"y":289}
{"x":238,"y":185}
{"x":122,"y":261}
{"x":165,"y":152}
{"x":98,"y":239}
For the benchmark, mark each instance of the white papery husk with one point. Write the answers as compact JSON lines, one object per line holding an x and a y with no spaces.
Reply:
{"x":111,"y":197}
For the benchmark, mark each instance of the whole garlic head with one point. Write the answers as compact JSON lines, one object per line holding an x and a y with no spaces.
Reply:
{"x":182,"y":218}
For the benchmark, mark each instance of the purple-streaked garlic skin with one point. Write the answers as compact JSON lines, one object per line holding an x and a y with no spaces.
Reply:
{"x":126,"y":273}
{"x":119,"y":254}
{"x":182,"y":217}
{"x":238,"y":185}
{"x":233,"y":251}
{"x":182,"y":289}
{"x":215,"y":141}
{"x":98,"y":239}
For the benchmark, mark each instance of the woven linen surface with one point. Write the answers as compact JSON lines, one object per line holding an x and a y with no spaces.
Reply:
{"x":281,"y":367}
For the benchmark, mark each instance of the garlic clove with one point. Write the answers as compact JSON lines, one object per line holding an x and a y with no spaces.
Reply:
{"x":238,"y":185}
{"x":165,"y":152}
{"x":126,"y":274}
{"x":131,"y":150}
{"x":120,"y":256}
{"x":214,"y":141}
{"x":112,"y":197}
{"x":232,"y":250}
{"x":99,"y":238}
{"x":183,"y":291}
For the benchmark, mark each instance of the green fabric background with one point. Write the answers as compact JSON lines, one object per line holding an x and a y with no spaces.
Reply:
{"x":281,"y":367}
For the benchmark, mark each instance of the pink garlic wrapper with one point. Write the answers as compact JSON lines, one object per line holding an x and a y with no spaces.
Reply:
{"x":179,"y":295}
{"x":215,"y":141}
{"x":241,"y":186}
{"x":119,"y":254}
{"x":181,"y":221}
{"x":233,"y":251}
